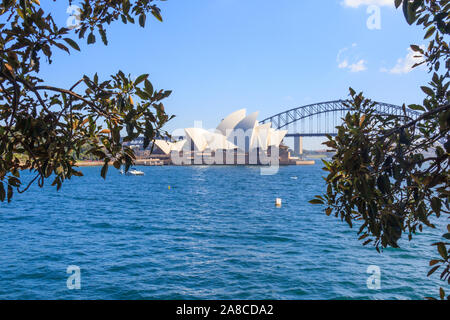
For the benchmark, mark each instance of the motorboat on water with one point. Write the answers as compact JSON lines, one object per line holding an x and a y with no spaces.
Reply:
{"x":132,"y":172}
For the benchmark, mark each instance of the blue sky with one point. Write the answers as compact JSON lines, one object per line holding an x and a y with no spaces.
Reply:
{"x":222,"y":55}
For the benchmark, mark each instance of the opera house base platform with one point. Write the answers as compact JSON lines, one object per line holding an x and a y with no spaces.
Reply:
{"x":222,"y":159}
{"x":167,"y":162}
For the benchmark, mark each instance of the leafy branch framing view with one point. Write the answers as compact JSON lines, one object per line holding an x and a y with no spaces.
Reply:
{"x":44,"y":128}
{"x":391,"y":174}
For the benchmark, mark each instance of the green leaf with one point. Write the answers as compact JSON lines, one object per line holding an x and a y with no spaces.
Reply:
{"x":433,"y":262}
{"x":2,"y":192}
{"x":72,"y":43}
{"x":416,"y":107}
{"x":383,"y":184}
{"x":104,"y":170}
{"x":142,"y":19}
{"x":436,"y":205}
{"x":91,"y":38}
{"x":117,"y":164}
{"x":433,"y":270}
{"x":316,"y":201}
{"x":116,"y":134}
{"x":427,"y":90}
{"x":141,"y":78}
{"x":157,"y":14}
{"x":104,"y":37}
{"x":10,"y":193}
{"x":398,"y":3}
{"x":416,"y":48}
{"x":148,"y":87}
{"x":409,"y":12}
{"x":63,"y":47}
{"x":442,"y":250}
{"x":435,"y":78}
{"x":429,"y":32}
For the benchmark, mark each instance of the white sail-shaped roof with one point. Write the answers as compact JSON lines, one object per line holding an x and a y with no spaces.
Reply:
{"x":168,"y":147}
{"x":198,"y":136}
{"x":228,"y":124}
{"x":217,"y":141}
{"x":261,"y":136}
{"x":164,"y":146}
{"x":248,"y":123}
{"x":276,"y":137}
{"x":245,"y":129}
{"x":178,"y":146}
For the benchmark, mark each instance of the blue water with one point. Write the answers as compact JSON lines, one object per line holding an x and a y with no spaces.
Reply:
{"x":215,"y":234}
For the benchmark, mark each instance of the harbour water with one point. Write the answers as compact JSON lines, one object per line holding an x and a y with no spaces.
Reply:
{"x":214,"y":234}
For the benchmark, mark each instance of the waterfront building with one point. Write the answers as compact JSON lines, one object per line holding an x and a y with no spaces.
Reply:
{"x":239,"y":139}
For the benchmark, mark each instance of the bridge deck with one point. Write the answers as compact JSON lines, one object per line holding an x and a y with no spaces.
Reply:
{"x":310,"y":134}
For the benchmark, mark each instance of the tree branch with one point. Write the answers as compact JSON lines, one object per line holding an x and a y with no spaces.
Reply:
{"x":75,"y":95}
{"x":413,"y":122}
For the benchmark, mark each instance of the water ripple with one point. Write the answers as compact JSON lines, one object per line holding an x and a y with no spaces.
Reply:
{"x":214,"y":234}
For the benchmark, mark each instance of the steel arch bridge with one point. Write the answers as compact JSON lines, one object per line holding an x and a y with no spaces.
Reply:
{"x":320,"y":119}
{"x":327,"y":116}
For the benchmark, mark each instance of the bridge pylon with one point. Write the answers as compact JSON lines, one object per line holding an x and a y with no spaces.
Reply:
{"x":298,"y":145}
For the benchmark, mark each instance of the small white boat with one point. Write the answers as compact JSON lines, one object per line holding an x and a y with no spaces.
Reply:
{"x":132,"y":172}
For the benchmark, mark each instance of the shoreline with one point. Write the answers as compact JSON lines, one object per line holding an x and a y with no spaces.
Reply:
{"x":143,"y":163}
{"x":89,"y":163}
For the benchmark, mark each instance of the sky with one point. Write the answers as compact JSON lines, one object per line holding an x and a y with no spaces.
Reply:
{"x":218,"y":56}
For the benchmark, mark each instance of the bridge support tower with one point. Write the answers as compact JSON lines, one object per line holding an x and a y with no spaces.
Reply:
{"x":298,"y":145}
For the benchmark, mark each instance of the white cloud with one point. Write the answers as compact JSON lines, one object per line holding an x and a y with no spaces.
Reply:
{"x":405,"y":65}
{"x":356,"y":65}
{"x":343,"y":64}
{"x":358,"y":3}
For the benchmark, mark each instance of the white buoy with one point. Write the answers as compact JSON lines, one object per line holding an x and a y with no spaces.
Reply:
{"x":278,"y":202}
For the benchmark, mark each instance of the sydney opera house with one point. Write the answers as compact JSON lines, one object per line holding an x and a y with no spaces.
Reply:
{"x":238,"y":139}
